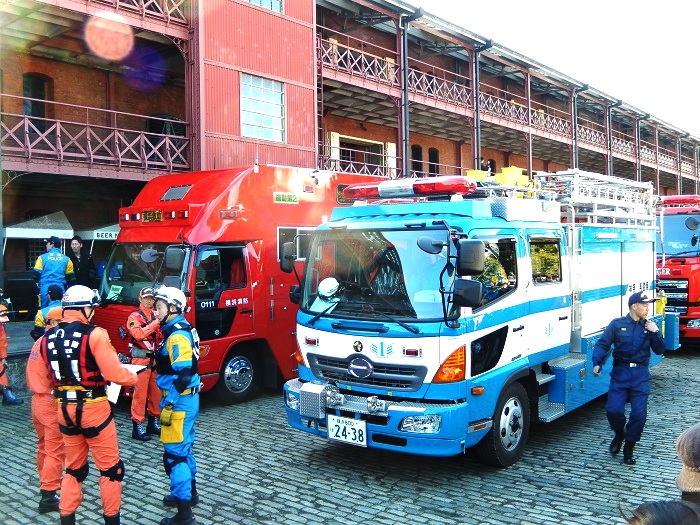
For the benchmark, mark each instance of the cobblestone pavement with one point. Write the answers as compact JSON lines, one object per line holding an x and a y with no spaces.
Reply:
{"x":254,"y":469}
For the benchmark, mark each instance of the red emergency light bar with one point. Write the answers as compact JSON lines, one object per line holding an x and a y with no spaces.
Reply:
{"x":429,"y":186}
{"x":680,"y":200}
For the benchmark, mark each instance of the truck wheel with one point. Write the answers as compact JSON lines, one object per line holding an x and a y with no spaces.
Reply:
{"x":240,"y":378}
{"x":504,"y":443}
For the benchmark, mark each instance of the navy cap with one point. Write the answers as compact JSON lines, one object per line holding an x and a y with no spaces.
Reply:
{"x":55,"y":291}
{"x":53,"y":240}
{"x":647,"y":296}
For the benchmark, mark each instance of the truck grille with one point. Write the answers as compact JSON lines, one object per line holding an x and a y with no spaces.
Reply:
{"x":394,"y":377}
{"x":676,"y":291}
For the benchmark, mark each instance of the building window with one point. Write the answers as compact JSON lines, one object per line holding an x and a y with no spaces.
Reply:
{"x":273,"y":5}
{"x":359,"y":156}
{"x":433,"y":161}
{"x":35,"y":87}
{"x":416,"y":158}
{"x":262,"y":108}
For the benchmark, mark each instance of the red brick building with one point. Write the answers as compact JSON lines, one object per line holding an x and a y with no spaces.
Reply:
{"x":98,"y":96}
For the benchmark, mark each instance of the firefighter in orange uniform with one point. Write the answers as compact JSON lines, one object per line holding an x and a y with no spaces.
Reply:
{"x":82,"y":360}
{"x":144,"y":328}
{"x":49,"y":456}
{"x":8,"y":398}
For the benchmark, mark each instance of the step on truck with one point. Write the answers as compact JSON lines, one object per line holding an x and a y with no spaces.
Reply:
{"x":678,"y":261}
{"x":438,"y":315}
{"x":217,"y":235}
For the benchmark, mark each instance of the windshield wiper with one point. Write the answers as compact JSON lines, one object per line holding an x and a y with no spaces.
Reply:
{"x":685,"y":252}
{"x":323,"y":312}
{"x":407,"y":326}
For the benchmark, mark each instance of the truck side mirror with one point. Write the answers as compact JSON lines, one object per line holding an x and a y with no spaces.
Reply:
{"x":295,"y":294}
{"x":470,"y":257}
{"x":467,"y":292}
{"x":288,"y":257}
{"x":692,"y":223}
{"x":694,"y":240}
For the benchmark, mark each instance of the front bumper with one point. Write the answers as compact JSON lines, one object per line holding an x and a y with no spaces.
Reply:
{"x":308,"y":412}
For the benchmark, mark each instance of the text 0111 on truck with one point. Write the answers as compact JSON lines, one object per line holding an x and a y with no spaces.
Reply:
{"x":437,"y":315}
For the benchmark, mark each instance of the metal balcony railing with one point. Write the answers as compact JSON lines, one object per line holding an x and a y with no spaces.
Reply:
{"x":380,"y":66}
{"x":170,"y":11}
{"x":92,"y":136}
{"x":378,"y":163}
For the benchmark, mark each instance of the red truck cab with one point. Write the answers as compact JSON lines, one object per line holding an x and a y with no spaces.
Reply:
{"x":678,"y":261}
{"x":217,"y":235}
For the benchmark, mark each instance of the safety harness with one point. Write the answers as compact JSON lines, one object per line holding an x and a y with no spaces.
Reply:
{"x":67,"y":353}
{"x":136,"y":346}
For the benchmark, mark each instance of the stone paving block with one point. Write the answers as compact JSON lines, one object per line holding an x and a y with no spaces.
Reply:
{"x":254,"y":469}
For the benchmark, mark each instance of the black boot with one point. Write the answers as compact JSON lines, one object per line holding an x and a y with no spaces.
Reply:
{"x":68,"y":519}
{"x":153,"y":425}
{"x":48,"y":502}
{"x":170,"y":501}
{"x":139,"y":432}
{"x":112,"y":520}
{"x":627,"y":453}
{"x":616,"y":443}
{"x":8,"y":398}
{"x":184,"y":515}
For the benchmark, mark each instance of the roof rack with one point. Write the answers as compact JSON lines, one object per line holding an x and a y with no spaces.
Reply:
{"x":595,"y":198}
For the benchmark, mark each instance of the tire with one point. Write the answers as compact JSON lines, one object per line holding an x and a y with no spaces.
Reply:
{"x":240,"y":377}
{"x":504,"y":443}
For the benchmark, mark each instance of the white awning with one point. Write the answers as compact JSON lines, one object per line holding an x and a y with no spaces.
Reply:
{"x":41,"y":228}
{"x":100,"y":233}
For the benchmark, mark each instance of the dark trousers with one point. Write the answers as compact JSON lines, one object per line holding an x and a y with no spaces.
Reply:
{"x":633,"y":385}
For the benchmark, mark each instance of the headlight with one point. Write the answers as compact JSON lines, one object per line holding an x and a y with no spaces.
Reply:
{"x":429,"y":424}
{"x":694,"y":323}
{"x":291,"y":400}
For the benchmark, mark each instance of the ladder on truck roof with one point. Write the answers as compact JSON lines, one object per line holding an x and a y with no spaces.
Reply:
{"x":600,"y":199}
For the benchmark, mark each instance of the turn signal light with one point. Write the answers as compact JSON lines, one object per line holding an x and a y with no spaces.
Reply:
{"x":299,"y":357}
{"x":453,"y":369}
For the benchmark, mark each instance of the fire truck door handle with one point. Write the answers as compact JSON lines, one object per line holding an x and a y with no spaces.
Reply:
{"x":564,"y":318}
{"x":518,"y":328}
{"x":248,"y":311}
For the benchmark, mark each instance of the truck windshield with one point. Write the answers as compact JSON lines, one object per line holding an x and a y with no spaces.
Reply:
{"x":127,"y":272}
{"x":373,"y":274}
{"x":678,"y":238}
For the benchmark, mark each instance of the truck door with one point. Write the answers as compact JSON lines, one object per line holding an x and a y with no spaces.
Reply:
{"x":549,"y":294}
{"x":222,"y":291}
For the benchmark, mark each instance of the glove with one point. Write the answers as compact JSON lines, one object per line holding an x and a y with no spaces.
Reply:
{"x":165,"y":415}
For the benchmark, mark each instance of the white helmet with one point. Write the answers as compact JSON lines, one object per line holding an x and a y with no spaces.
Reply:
{"x":80,"y":296}
{"x":171,"y":295}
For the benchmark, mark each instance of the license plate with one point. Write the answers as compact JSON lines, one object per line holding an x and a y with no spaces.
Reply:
{"x":347,"y":430}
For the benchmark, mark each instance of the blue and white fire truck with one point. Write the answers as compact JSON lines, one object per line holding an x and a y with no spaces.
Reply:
{"x":438,"y":314}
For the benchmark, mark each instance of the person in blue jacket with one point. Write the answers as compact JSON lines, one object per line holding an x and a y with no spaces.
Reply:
{"x":179,"y":383}
{"x":632,"y":339}
{"x":52,"y":267}
{"x":41,"y":320}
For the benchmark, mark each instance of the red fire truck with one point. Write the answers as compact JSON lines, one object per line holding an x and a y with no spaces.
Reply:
{"x":678,"y":261}
{"x":217,"y":235}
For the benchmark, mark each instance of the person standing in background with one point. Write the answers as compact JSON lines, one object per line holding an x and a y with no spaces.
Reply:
{"x":83,"y":264}
{"x":52,"y":267}
{"x":50,"y":454}
{"x":146,"y":336}
{"x":8,"y":398}
{"x":40,"y":321}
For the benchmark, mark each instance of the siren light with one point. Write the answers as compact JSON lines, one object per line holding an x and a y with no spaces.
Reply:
{"x":423,"y":187}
